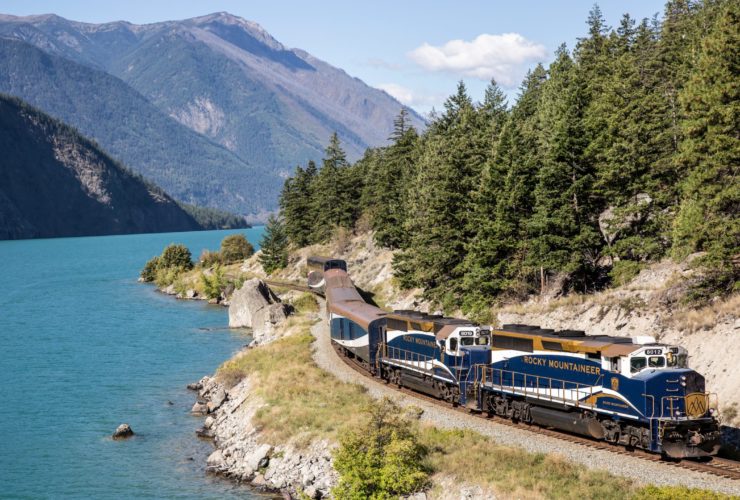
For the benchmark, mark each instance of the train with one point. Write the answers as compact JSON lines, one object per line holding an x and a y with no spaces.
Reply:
{"x":633,"y":392}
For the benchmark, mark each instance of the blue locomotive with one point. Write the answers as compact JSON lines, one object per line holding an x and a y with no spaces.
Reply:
{"x":633,"y":392}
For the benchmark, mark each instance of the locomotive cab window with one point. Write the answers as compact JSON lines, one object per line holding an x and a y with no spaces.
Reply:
{"x":656,"y":361}
{"x":467,"y":341}
{"x":482,"y":340}
{"x":637,"y":364}
{"x":453,"y":344}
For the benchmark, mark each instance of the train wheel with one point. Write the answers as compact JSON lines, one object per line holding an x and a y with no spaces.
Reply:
{"x":397,"y":377}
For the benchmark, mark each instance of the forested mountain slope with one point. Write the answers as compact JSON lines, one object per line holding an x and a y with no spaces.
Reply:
{"x":54,"y":182}
{"x":227,"y":78}
{"x":187,"y":165}
{"x":624,"y":151}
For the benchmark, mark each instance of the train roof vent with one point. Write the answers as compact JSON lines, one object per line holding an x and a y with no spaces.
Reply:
{"x":517,"y":327}
{"x":571,"y":333}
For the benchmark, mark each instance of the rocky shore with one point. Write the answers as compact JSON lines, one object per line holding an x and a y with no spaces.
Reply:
{"x":243,"y":455}
{"x":241,"y":451}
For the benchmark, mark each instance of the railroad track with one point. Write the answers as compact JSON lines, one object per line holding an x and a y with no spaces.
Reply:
{"x":729,"y":469}
{"x":291,"y":286}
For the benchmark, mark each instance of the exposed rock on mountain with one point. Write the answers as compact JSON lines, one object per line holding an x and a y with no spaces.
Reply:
{"x":187,"y":165}
{"x":228,"y":79}
{"x":54,"y":182}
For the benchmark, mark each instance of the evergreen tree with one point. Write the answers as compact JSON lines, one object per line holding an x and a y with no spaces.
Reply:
{"x":335,"y":202}
{"x":389,"y":184}
{"x":297,"y":203}
{"x":500,"y":241}
{"x":443,"y":200}
{"x":710,"y":152}
{"x":561,"y":229}
{"x":274,"y":246}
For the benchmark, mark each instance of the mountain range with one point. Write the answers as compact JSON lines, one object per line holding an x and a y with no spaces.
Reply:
{"x":218,"y":111}
{"x":55,"y":182}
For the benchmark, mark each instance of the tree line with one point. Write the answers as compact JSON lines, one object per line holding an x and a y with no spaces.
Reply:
{"x":621,"y":152}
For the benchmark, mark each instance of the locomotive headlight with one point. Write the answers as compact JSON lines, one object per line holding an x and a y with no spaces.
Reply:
{"x":683,"y":383}
{"x":683,"y":378}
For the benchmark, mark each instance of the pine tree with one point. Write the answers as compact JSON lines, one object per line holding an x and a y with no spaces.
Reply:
{"x":562,"y":228}
{"x":519,"y":159}
{"x":448,"y":172}
{"x":297,"y":205}
{"x":710,"y":152}
{"x":390,"y":184}
{"x":274,"y":246}
{"x":336,"y":193}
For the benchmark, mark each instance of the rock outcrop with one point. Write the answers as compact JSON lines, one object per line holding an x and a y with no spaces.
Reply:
{"x":257,"y":307}
{"x":241,"y":452}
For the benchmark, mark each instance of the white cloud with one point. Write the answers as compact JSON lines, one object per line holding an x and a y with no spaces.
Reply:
{"x":410,"y":97}
{"x":504,"y":57}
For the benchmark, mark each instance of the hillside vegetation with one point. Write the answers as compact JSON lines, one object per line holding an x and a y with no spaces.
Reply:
{"x":55,"y":182}
{"x":623,"y":152}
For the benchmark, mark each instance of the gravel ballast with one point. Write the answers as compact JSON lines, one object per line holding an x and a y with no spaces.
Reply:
{"x":643,"y":472}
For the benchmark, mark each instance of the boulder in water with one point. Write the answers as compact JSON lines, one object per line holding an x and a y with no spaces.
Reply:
{"x":123,"y":431}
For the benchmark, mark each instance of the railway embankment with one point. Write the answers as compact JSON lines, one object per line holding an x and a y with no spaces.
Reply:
{"x":277,"y":413}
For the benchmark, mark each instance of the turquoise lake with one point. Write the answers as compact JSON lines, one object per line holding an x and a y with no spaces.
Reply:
{"x":86,"y":347}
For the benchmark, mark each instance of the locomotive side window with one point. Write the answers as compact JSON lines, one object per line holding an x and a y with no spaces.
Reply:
{"x":467,"y":341}
{"x":656,"y":361}
{"x":453,"y":344}
{"x":637,"y":364}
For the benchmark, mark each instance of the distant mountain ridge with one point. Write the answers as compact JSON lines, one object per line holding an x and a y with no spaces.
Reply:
{"x":228,"y":79}
{"x":55,"y":182}
{"x":187,"y":165}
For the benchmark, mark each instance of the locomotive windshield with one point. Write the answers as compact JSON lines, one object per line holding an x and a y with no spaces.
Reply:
{"x":657,"y":357}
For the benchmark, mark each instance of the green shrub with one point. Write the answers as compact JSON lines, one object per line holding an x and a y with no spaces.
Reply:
{"x":176,"y":255}
{"x":677,"y":493}
{"x":382,"y":457}
{"x":306,"y":303}
{"x":165,"y":276}
{"x":149,"y":273}
{"x":214,"y":284}
{"x":209,"y":259}
{"x":624,"y":271}
{"x":235,"y":248}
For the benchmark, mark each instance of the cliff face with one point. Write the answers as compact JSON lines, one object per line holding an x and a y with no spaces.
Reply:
{"x":54,"y":182}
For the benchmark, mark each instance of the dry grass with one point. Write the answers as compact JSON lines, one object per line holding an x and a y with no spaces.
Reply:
{"x":543,"y":307}
{"x":695,"y":320}
{"x":474,"y":459}
{"x":306,"y":303}
{"x":303,"y":402}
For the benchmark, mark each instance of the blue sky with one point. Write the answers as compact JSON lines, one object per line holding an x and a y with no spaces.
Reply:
{"x":416,"y":50}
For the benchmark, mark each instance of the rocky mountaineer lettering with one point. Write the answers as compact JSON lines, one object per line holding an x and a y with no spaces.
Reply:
{"x":417,"y":340}
{"x":576,"y":367}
